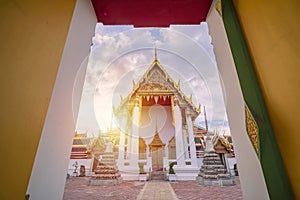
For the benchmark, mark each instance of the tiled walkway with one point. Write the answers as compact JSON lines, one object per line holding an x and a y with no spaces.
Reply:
{"x":77,"y":188}
{"x":157,"y":190}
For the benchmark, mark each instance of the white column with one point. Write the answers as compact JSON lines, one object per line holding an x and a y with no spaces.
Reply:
{"x":147,"y":151}
{"x":128,"y":150}
{"x":250,"y":172}
{"x":122,"y":142}
{"x":167,"y":151}
{"x":135,"y":138}
{"x":178,"y":135}
{"x":92,"y":164}
{"x":192,"y":141}
{"x":49,"y":171}
{"x":185,"y":143}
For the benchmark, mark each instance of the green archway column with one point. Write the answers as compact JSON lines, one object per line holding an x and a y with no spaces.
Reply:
{"x":258,"y":123}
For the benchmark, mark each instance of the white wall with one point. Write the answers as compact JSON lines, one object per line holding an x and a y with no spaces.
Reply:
{"x":250,"y":172}
{"x":49,"y":172}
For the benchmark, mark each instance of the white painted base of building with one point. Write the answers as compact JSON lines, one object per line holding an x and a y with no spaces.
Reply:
{"x":143,"y":177}
{"x":75,"y":174}
{"x":186,"y":173}
{"x":130,"y":176}
{"x":129,"y":173}
{"x":172,"y":177}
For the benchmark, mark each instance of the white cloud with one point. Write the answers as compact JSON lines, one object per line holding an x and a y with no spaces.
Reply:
{"x":198,"y":33}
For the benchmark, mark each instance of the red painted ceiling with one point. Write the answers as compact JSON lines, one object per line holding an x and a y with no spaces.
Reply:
{"x":151,"y":13}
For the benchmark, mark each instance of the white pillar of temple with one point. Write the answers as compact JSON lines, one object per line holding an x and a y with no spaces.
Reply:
{"x":192,"y":141}
{"x":134,"y":156}
{"x":178,"y":135}
{"x":128,"y":150}
{"x":185,"y":143}
{"x":92,"y":164}
{"x":167,"y":151}
{"x":122,"y":142}
{"x":147,"y":151}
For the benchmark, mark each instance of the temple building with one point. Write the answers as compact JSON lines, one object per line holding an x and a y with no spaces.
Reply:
{"x":98,"y":146}
{"x":80,"y":146}
{"x":86,"y":150}
{"x":157,"y":126}
{"x":81,"y":153}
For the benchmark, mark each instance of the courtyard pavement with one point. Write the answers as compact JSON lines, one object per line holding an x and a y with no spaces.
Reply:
{"x":77,"y":188}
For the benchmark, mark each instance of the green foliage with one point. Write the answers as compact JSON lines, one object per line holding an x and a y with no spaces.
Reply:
{"x":141,"y":166}
{"x":171,"y":170}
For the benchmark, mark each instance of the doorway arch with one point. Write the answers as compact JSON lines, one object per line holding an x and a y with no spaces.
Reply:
{"x":251,"y":174}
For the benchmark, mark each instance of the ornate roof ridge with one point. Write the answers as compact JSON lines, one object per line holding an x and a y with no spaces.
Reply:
{"x":155,"y":63}
{"x":223,"y":141}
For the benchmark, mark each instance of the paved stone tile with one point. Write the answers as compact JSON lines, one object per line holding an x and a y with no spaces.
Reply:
{"x":157,"y":191}
{"x":190,"y":190}
{"x":77,"y":188}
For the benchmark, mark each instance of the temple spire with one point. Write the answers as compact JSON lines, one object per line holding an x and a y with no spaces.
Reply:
{"x":155,"y":54}
{"x":206,"y":125}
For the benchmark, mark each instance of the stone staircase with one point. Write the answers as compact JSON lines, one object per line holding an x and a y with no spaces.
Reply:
{"x":157,"y":174}
{"x":106,"y":173}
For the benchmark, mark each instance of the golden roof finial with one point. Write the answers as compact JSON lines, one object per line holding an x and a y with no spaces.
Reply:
{"x":178,"y":84}
{"x":155,"y":54}
{"x":199,"y":108}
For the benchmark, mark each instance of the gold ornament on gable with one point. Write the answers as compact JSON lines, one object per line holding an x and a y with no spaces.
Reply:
{"x":252,"y":129}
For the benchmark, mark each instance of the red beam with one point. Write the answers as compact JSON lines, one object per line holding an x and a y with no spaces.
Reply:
{"x":151,"y":13}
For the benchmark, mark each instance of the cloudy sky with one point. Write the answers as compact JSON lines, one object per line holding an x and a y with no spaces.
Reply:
{"x":121,"y":54}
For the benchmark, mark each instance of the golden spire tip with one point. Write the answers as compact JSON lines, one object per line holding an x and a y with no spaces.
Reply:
{"x":155,"y":54}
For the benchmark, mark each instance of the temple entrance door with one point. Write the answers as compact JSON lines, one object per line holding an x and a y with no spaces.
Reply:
{"x":157,"y":155}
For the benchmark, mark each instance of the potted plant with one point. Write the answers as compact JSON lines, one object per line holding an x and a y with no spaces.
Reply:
{"x":172,"y":174}
{"x":142,"y":174}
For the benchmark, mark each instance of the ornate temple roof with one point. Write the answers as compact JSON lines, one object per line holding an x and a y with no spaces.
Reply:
{"x":217,"y":138}
{"x":157,"y":83}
